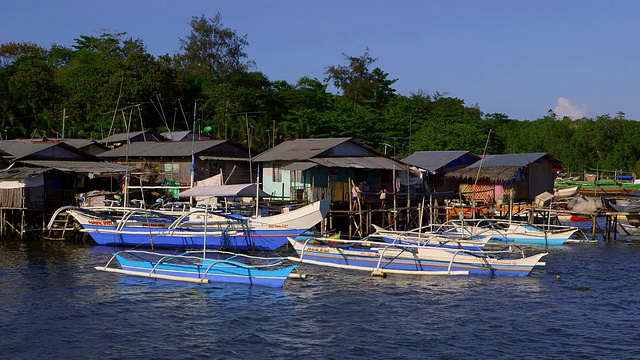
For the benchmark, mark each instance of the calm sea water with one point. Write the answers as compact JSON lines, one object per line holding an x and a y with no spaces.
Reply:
{"x":54,"y":305}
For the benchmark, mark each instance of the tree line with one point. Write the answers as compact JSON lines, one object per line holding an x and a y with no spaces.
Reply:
{"x":108,"y":84}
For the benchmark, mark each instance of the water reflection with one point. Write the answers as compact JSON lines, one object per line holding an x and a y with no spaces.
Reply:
{"x":51,"y":291}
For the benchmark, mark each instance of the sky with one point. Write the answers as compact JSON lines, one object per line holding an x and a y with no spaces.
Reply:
{"x":578,"y":58}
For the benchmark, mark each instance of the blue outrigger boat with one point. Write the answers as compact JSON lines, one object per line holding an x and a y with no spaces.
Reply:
{"x":190,"y":230}
{"x":202,"y":267}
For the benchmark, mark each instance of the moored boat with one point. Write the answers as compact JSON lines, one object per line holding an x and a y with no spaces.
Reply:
{"x":382,"y":258}
{"x":625,"y":205}
{"x":202,"y":267}
{"x":601,"y":186}
{"x":566,"y":192}
{"x":627,"y":229}
{"x":147,"y":228}
{"x":519,"y":233}
{"x":437,"y":235}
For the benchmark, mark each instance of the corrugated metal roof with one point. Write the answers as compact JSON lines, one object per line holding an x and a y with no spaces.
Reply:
{"x":512,"y":159}
{"x":21,"y":148}
{"x":158,"y":149}
{"x":148,"y":135}
{"x":82,"y":143}
{"x":93,"y":167}
{"x":369,"y":162}
{"x":24,"y":148}
{"x":225,"y":158}
{"x":434,"y":160}
{"x":18,"y":173}
{"x":184,"y":135}
{"x":299,"y":149}
{"x":76,"y":143}
{"x":176,"y":135}
{"x":299,"y":166}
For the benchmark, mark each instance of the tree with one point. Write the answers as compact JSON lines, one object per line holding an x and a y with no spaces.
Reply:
{"x":27,"y":87}
{"x":358,"y":83}
{"x":213,"y":51}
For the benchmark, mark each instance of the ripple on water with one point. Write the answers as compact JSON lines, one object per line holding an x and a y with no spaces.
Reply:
{"x":55,"y":305}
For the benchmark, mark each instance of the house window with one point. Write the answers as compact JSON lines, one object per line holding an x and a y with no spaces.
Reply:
{"x":277,"y":173}
{"x":172,"y":171}
{"x":214,"y":169}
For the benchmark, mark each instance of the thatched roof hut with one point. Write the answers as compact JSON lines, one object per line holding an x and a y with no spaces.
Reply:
{"x":522,"y":176}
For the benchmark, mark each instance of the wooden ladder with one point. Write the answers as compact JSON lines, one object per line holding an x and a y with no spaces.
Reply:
{"x":59,"y":227}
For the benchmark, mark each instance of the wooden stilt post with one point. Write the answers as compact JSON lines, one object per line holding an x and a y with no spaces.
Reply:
{"x":22,"y":230}
{"x":330,"y":220}
{"x":360,"y":220}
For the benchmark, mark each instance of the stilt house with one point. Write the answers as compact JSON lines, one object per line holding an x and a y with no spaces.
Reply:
{"x":495,"y":178}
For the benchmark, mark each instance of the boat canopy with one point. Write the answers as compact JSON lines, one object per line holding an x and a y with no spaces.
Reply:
{"x":237,"y":190}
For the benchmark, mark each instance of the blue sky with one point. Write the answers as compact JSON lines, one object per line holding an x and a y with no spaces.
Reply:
{"x":519,"y":58}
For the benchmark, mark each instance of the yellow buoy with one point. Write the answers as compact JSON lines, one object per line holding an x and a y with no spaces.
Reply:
{"x":558,"y":277}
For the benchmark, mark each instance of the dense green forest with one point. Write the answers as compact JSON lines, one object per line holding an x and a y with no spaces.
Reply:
{"x":109,"y":84}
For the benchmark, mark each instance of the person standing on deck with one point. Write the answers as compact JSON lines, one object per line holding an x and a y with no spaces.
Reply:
{"x":355,"y":192}
{"x":383,"y":196}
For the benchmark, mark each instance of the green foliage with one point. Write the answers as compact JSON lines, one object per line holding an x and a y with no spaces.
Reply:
{"x":358,"y":83}
{"x":110,"y":83}
{"x":213,"y":51}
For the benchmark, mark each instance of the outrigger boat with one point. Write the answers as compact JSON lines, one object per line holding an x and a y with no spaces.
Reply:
{"x":140,"y":227}
{"x":519,"y":233}
{"x":381,"y":258}
{"x":432,"y":236}
{"x":628,"y":230}
{"x":202,"y":267}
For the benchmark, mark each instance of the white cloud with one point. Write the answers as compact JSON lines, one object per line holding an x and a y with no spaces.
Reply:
{"x":565,"y":107}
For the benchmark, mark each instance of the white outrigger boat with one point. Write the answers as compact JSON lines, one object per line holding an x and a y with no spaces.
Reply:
{"x":141,"y":227}
{"x":381,"y":258}
{"x":519,"y":233}
{"x":432,"y":236}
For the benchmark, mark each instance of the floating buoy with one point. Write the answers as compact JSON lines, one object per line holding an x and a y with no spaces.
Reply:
{"x":558,"y":277}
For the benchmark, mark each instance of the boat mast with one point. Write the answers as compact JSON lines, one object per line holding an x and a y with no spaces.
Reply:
{"x":193,"y":146}
{"x":475,"y":183}
{"x":125,"y":190}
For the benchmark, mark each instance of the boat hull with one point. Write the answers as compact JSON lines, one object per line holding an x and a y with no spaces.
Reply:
{"x":419,"y":260}
{"x":263,"y":240}
{"x":240,"y":234}
{"x":517,"y":233}
{"x":202,"y":267}
{"x":218,"y":273}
